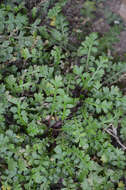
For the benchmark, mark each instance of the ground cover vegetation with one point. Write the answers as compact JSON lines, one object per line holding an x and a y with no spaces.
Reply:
{"x":62,"y":113}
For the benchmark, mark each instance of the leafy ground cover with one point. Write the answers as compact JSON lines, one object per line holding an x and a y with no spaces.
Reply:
{"x":62,"y":113}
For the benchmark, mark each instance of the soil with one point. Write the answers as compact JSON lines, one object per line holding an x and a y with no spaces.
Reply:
{"x":99,"y":24}
{"x":119,"y":8}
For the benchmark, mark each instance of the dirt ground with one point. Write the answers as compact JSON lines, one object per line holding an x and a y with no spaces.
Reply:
{"x":119,"y":8}
{"x":100,"y":24}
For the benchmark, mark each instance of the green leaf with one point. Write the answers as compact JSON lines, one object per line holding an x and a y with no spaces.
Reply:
{"x":57,"y":82}
{"x":54,"y":11}
{"x":37,"y":178}
{"x":104,"y":159}
{"x":22,"y":165}
{"x":34,"y":12}
{"x":56,"y":34}
{"x":12,"y":165}
{"x":78,"y":70}
{"x":25,"y":53}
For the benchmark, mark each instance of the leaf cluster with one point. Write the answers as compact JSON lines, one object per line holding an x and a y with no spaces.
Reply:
{"x":54,"y":113}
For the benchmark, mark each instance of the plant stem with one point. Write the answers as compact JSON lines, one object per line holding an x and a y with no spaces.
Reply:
{"x":88,"y":57}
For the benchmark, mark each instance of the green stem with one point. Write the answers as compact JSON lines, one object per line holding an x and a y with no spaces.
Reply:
{"x":91,"y":104}
{"x":20,"y":116}
{"x":94,"y":74}
{"x":54,"y":101}
{"x":88,"y":57}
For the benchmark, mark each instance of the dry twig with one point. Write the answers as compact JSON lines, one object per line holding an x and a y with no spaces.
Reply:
{"x":111,"y":130}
